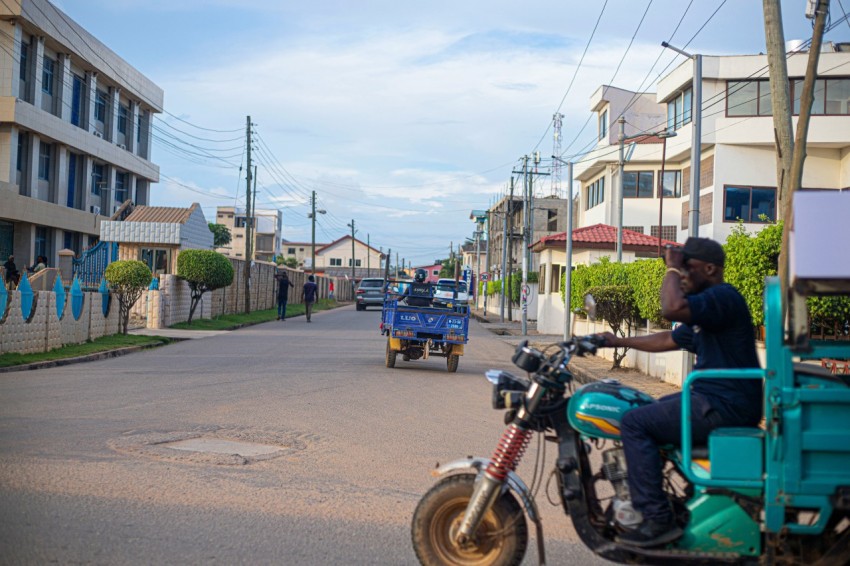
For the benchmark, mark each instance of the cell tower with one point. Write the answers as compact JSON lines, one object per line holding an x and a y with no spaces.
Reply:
{"x":556,"y":151}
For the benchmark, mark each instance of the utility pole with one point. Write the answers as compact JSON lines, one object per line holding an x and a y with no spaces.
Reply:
{"x":351,"y":225}
{"x":487,"y":260}
{"x":504,"y":257}
{"x":368,"y":258}
{"x":525,"y":232}
{"x":477,"y":264}
{"x":506,"y":289}
{"x":779,"y":100}
{"x":313,"y":241}
{"x":786,"y":201}
{"x":247,"y":271}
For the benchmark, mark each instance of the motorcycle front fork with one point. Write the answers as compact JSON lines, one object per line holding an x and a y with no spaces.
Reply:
{"x":489,"y":486}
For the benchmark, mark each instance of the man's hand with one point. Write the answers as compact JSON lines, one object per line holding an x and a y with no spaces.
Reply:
{"x":673,"y":257}
{"x":610,"y":341}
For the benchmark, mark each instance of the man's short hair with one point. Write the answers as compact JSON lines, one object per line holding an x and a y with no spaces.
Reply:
{"x":704,"y":249}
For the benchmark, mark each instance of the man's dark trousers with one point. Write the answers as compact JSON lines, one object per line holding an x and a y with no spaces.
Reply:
{"x":281,"y":307}
{"x":644,"y":429}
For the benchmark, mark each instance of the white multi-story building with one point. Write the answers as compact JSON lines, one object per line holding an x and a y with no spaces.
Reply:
{"x":266,"y":233}
{"x":738,"y":157}
{"x":75,"y":133}
{"x":737,"y":165}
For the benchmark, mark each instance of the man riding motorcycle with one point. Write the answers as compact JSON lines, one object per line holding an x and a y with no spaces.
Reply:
{"x":717,"y":327}
{"x":420,"y":292}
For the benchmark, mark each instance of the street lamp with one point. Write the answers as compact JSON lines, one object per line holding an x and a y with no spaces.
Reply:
{"x":621,"y":162}
{"x":696,"y":149}
{"x":663,"y":135}
{"x":312,"y":216}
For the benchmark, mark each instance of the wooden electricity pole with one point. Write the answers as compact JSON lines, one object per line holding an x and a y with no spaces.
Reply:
{"x":785,"y":147}
{"x":246,"y":278}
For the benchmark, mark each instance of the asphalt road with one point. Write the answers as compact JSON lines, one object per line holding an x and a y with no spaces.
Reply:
{"x":84,"y":476}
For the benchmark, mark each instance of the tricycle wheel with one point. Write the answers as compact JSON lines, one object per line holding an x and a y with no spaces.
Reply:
{"x":451,"y":362}
{"x":501,"y":539}
{"x":391,"y":354}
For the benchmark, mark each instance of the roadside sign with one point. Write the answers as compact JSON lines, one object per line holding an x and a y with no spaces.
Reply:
{"x":485,"y":276}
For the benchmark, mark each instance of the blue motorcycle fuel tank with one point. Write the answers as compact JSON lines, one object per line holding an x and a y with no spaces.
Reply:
{"x":596,"y":409}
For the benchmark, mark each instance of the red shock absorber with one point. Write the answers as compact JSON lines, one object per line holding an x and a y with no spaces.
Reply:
{"x":509,"y":452}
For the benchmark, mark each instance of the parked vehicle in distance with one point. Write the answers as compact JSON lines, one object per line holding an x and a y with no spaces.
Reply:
{"x":444,"y":293}
{"x":369,"y":293}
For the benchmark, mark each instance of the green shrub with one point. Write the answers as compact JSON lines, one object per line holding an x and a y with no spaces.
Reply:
{"x":605,"y":272}
{"x":749,"y":259}
{"x":645,"y":277}
{"x":203,"y":270}
{"x":615,"y":305}
{"x":127,"y":279}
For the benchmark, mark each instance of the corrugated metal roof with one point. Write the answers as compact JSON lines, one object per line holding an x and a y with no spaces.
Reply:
{"x":167,"y":214}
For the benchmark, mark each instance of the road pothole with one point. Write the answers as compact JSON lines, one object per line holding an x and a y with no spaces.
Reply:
{"x":214,"y":445}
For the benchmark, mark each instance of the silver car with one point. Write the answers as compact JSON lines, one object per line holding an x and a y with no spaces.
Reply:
{"x":369,"y":293}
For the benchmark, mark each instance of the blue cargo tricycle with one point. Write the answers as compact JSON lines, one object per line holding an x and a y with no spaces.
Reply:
{"x":420,"y":332}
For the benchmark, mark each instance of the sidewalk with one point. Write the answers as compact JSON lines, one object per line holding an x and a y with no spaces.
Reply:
{"x":176,"y":334}
{"x":585,"y":369}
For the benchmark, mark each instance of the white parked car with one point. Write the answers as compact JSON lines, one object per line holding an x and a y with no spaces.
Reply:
{"x":444,"y":293}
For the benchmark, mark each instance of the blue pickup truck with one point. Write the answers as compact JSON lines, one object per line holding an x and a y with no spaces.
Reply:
{"x":420,"y":332}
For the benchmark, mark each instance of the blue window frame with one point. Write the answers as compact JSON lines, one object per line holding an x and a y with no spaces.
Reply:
{"x":77,"y":101}
{"x":120,"y":187}
{"x":750,"y":204}
{"x":44,"y":152}
{"x":25,"y":51}
{"x":97,"y":174}
{"x":637,"y":184}
{"x":72,"y":179}
{"x":123,"y":111}
{"x":47,"y":76}
{"x":595,"y":193}
{"x":100,"y":106}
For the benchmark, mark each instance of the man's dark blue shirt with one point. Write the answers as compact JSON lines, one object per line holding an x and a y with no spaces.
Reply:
{"x":310,"y":292}
{"x":721,"y":335}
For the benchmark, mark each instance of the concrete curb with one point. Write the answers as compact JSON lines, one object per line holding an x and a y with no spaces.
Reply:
{"x":87,"y":358}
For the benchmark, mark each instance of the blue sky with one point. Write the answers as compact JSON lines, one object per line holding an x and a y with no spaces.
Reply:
{"x":403,"y":116}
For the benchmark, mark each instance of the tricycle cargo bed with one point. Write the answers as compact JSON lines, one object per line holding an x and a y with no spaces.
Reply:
{"x":426,"y":323}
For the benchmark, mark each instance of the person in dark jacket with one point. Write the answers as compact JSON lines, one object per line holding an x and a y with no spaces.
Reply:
{"x":11,"y":271}
{"x":283,"y":285}
{"x":716,"y":325}
{"x":310,"y":296}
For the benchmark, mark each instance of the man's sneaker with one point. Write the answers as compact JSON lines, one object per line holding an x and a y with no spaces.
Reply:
{"x":651,"y":533}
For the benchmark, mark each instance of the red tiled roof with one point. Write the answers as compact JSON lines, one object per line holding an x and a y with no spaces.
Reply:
{"x":602,"y":234}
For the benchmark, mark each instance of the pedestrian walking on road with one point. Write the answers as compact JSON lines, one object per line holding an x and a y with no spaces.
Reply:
{"x":331,"y":289}
{"x":310,"y":295}
{"x":283,"y":285}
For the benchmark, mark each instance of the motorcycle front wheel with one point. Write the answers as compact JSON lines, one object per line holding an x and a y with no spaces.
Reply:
{"x":500,"y":540}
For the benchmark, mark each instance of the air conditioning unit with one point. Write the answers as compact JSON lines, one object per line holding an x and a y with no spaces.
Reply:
{"x":94,"y":209}
{"x":122,"y":146}
{"x":98,"y":134}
